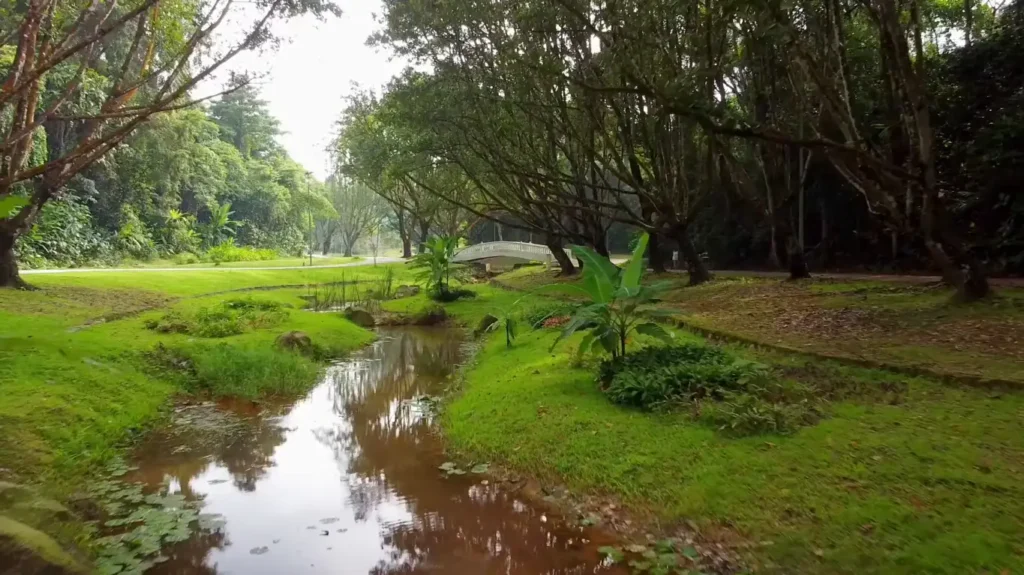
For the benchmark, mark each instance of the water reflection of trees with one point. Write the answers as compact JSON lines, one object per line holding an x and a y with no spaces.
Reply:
{"x":388,"y":450}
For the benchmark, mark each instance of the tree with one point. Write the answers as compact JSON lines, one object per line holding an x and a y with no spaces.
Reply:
{"x":358,"y":208}
{"x":83,"y":78}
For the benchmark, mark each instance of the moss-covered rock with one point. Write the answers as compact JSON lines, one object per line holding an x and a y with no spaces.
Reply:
{"x":360,"y":317}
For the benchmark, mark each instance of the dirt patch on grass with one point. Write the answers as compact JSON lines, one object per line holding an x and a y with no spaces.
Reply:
{"x":905,"y":325}
{"x":80,"y":303}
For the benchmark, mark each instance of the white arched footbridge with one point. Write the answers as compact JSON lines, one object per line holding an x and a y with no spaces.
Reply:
{"x":505,"y":254}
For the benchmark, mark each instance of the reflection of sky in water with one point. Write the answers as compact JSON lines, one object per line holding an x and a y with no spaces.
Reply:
{"x":356,"y":452}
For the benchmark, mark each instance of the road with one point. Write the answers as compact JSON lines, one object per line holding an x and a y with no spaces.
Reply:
{"x":364,"y":262}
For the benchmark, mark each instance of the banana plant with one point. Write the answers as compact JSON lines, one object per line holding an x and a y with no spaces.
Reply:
{"x":437,"y":265}
{"x":618,"y":302}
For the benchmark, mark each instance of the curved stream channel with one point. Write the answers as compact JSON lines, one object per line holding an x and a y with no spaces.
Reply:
{"x":346,"y":480}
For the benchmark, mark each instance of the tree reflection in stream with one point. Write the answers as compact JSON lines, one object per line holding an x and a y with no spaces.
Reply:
{"x":347,"y":481}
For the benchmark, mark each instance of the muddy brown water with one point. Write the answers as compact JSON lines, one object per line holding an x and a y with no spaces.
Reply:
{"x":346,"y":480}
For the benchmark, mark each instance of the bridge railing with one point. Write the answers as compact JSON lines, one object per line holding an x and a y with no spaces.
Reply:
{"x":522,"y":250}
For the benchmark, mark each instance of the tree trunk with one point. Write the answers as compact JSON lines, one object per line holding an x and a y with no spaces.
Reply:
{"x":563,"y":259}
{"x":348,"y":251}
{"x":797,"y":261}
{"x":406,"y":247}
{"x":657,"y":257}
{"x":424,"y":233}
{"x":327,"y":246}
{"x":8,"y":264}
{"x":694,"y":265}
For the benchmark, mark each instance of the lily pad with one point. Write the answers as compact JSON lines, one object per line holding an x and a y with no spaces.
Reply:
{"x":480,"y":468}
{"x":259,"y":550}
{"x":613,"y":554}
{"x":329,"y":520}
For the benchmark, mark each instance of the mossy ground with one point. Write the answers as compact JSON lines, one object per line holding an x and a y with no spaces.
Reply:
{"x":73,"y":357}
{"x":931,"y":483}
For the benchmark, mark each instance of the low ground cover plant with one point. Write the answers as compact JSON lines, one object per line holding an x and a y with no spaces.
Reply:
{"x":230,"y":317}
{"x":732,"y":394}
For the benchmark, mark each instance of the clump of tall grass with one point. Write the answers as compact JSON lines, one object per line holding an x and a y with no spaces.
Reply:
{"x":220,"y":370}
{"x":230,"y":317}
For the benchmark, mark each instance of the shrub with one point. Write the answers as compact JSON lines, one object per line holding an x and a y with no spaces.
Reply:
{"x":133,"y":238}
{"x":63,"y":236}
{"x":227,"y":251}
{"x":655,"y":376}
{"x":186,"y":258}
{"x":732,"y":394}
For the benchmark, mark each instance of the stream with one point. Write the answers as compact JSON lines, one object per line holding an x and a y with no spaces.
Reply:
{"x":346,"y":481}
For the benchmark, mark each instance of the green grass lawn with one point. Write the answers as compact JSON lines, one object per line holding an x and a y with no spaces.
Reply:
{"x":931,"y":483}
{"x":75,"y":376}
{"x":275,"y":263}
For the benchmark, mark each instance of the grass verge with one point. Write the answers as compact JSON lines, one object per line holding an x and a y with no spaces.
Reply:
{"x":929,"y":483}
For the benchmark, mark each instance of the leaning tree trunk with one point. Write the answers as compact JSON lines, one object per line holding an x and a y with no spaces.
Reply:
{"x":8,"y":264}
{"x":695,"y":266}
{"x":563,"y":259}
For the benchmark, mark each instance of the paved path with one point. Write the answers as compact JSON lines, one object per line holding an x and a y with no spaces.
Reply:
{"x":919,"y":279}
{"x":364,"y":262}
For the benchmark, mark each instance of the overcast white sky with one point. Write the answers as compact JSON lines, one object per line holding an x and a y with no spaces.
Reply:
{"x":308,"y":77}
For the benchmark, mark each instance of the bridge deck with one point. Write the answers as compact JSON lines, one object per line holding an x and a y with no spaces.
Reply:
{"x":519,"y":251}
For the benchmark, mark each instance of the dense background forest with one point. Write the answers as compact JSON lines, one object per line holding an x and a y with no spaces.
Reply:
{"x":188,"y":182}
{"x":843,"y":134}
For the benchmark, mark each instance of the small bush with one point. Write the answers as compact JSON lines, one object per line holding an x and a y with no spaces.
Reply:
{"x":659,"y":375}
{"x":735,"y":395}
{"x":186,"y":258}
{"x":227,"y":251}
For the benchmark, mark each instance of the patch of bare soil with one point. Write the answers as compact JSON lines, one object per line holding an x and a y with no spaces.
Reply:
{"x":789,"y":313}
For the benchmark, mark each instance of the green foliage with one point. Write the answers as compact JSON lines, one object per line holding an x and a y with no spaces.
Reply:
{"x":137,"y":526}
{"x":178,"y":235}
{"x":505,"y":319}
{"x":230,"y":317}
{"x":64,"y":235}
{"x":227,"y":251}
{"x":537,"y":314}
{"x":735,"y":395}
{"x":247,"y":371}
{"x":220,"y":227}
{"x":438,"y":270}
{"x":659,"y":376}
{"x":133,"y":238}
{"x":619,"y":303}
